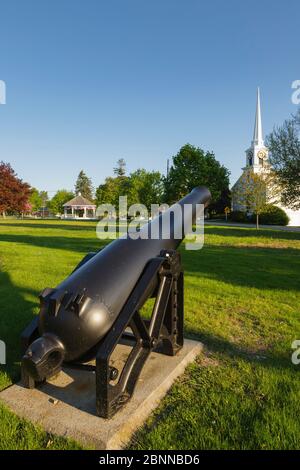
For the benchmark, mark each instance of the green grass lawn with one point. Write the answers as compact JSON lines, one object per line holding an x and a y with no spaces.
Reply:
{"x":242,"y":299}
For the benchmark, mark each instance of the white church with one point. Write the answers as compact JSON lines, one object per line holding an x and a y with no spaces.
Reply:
{"x":257,"y":160}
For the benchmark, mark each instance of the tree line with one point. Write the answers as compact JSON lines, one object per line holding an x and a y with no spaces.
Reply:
{"x":190,"y":167}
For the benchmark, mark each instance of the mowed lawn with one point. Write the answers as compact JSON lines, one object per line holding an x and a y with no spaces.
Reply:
{"x":242,"y":299}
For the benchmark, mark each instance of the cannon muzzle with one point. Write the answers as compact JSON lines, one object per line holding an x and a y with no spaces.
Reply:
{"x":43,"y":358}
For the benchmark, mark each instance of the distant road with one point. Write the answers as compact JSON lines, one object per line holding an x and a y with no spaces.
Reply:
{"x":239,"y":224}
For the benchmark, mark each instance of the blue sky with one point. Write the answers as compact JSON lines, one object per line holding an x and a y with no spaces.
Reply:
{"x":92,"y":81}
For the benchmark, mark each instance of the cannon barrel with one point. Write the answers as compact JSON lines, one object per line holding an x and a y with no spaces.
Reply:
{"x":79,"y":312}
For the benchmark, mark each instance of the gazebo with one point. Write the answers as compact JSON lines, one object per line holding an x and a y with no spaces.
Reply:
{"x":79,"y":208}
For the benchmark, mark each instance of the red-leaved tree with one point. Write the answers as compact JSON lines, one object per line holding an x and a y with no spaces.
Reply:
{"x":14,"y":193}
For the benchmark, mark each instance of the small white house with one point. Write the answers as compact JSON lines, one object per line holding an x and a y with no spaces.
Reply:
{"x":79,"y":208}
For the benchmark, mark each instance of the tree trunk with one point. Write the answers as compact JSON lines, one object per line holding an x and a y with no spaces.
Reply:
{"x":257,"y":222}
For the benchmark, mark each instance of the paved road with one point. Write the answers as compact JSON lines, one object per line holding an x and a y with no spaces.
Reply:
{"x":238,"y":224}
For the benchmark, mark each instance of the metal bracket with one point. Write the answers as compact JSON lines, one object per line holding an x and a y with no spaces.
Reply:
{"x":163,"y":333}
{"x":161,"y":279}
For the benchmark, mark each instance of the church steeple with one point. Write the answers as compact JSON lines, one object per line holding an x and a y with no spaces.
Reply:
{"x":258,"y":133}
{"x":257,"y":154}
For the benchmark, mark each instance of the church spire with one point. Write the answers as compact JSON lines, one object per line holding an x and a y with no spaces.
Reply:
{"x":258,"y":134}
{"x":257,"y":154}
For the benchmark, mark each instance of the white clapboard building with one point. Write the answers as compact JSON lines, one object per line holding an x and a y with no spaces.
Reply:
{"x":257,"y":159}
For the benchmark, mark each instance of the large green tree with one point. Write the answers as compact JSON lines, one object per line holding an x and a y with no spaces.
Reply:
{"x":35,"y":199}
{"x":111,"y":189}
{"x":284,"y":146}
{"x":146,"y":187}
{"x":192,"y":167}
{"x":84,"y":186}
{"x":59,"y":199}
{"x":38,"y":200}
{"x":114,"y":186}
{"x":141,"y":186}
{"x":223,"y":202}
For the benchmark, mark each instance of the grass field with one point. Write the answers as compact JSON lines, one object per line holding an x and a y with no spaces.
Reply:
{"x":242,"y":299}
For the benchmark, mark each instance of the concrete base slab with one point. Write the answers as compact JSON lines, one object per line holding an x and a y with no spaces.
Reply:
{"x":66,"y":405}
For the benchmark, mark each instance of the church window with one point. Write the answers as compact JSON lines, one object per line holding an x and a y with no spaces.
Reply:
{"x":261,"y":162}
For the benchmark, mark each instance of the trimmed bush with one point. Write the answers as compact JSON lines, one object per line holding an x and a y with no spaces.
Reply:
{"x":271,"y":215}
{"x":239,"y":216}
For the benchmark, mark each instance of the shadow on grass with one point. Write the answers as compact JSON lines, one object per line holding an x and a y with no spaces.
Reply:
{"x":272,"y":269}
{"x":15,"y":313}
{"x":242,"y":232}
{"x":260,"y":268}
{"x":229,"y":350}
{"x":61,"y":243}
{"x":86,"y":226}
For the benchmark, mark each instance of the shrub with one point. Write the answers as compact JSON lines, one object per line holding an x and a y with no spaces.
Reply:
{"x":273,"y":215}
{"x":239,"y":216}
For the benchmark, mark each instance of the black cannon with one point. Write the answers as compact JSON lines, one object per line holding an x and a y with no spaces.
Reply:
{"x":98,"y":306}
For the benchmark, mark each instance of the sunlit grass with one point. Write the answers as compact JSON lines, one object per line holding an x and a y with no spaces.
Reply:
{"x":242,"y":300}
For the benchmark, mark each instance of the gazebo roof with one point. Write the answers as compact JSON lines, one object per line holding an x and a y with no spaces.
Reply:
{"x":79,"y":201}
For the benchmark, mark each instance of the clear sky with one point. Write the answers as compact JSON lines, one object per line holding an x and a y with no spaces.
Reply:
{"x":92,"y":81}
